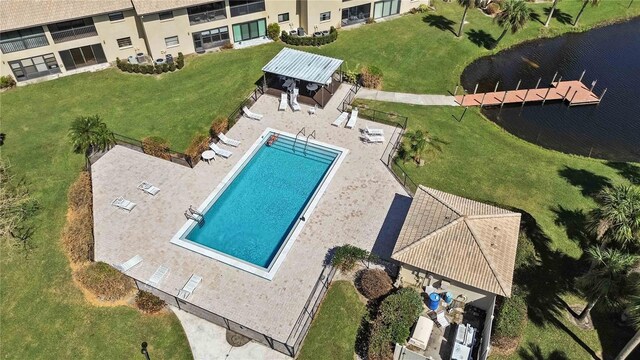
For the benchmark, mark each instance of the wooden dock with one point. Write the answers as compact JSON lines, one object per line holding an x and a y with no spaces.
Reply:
{"x":574,"y":92}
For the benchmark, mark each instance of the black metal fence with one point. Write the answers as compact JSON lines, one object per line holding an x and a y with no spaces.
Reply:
{"x":251,"y":99}
{"x":290,"y":347}
{"x":134,"y":144}
{"x":348,"y":99}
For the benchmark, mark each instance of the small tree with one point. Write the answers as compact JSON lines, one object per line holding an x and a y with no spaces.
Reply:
{"x":89,"y":134}
{"x":467,"y":4}
{"x":273,"y":30}
{"x":514,"y":16}
{"x":417,"y":145}
{"x":634,"y":313}
{"x":584,"y":5}
{"x":617,"y":217}
{"x":551,"y":11}
{"x":346,"y":257}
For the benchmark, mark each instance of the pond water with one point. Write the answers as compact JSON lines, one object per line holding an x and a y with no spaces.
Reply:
{"x":610,"y":55}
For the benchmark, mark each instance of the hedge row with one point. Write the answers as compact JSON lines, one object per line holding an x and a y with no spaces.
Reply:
{"x":104,"y":281}
{"x":149,"y":68}
{"x":77,"y":235}
{"x":310,"y":40}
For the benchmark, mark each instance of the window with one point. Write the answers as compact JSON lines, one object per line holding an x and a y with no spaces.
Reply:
{"x":211,"y":38}
{"x":124,"y":42}
{"x":171,"y":41}
{"x":83,"y":56}
{"x":116,"y":16}
{"x":34,"y":67}
{"x":244,"y":7}
{"x":22,"y":39}
{"x":283,"y":17}
{"x":167,"y":15}
{"x":325,"y":16}
{"x":207,"y":12}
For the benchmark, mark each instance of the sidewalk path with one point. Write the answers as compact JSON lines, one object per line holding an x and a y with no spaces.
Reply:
{"x":416,"y":99}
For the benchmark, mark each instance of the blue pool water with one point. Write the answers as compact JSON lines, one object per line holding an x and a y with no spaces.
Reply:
{"x":253,"y":216}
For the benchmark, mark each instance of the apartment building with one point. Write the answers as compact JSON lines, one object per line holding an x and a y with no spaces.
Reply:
{"x":49,"y":38}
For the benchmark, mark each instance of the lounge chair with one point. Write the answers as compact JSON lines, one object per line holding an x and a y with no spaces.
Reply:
{"x":373,"y":131}
{"x":442,"y":320}
{"x":373,"y":138}
{"x":283,"y":102}
{"x":340,"y":119}
{"x":219,"y":151}
{"x":148,"y":188}
{"x":190,"y":286}
{"x":250,"y":114}
{"x":294,"y":100}
{"x":123,"y":204}
{"x":125,"y":266}
{"x":157,"y":276}
{"x":352,"y":119}
{"x":227,"y":140}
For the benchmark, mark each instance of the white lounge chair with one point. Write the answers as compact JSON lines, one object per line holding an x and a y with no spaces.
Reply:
{"x":352,"y":119}
{"x":123,"y":204}
{"x":227,"y":140}
{"x":294,"y":100}
{"x":219,"y":151}
{"x":148,"y":188}
{"x":283,"y":102}
{"x":190,"y":286}
{"x":125,"y":266}
{"x":340,"y":119}
{"x":250,"y":114}
{"x":157,"y":276}
{"x":442,"y":320}
{"x":373,"y":138}
{"x":373,"y":131}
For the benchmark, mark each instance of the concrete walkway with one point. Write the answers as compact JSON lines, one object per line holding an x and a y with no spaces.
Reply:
{"x":208,"y":342}
{"x":415,"y":99}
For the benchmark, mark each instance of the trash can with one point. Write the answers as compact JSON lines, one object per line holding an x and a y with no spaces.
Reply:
{"x":434,"y":301}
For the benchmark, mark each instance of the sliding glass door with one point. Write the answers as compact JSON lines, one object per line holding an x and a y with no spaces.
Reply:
{"x":83,"y":56}
{"x":386,"y":8}
{"x":249,"y":30}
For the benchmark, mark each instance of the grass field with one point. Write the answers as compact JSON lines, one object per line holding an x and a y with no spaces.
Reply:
{"x":333,"y":332}
{"x":40,"y":304}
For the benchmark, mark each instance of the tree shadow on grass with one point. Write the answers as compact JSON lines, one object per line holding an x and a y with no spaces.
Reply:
{"x":575,"y":224}
{"x":561,"y":16}
{"x":535,"y":353}
{"x":612,"y":333}
{"x":481,"y":38}
{"x":626,"y":170}
{"x":590,"y":184}
{"x":534,"y":16}
{"x":440,"y":22}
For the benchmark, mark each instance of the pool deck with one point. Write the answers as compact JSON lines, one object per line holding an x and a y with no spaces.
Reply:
{"x":362,"y":205}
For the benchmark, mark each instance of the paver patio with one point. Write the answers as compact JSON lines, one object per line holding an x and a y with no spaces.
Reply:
{"x":354,"y":209}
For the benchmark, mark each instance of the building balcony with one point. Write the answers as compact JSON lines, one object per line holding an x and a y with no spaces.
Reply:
{"x":207,"y":16}
{"x":74,"y":33}
{"x":244,"y":9}
{"x":23,"y":43}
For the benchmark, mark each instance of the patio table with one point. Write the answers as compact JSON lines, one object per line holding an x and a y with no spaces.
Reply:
{"x":312,"y":87}
{"x":207,"y":155}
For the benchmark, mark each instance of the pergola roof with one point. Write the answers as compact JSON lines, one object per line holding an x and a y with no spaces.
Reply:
{"x":461,"y":239}
{"x":303,"y":66}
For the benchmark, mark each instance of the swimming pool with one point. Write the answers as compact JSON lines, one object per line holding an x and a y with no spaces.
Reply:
{"x":252,"y":218}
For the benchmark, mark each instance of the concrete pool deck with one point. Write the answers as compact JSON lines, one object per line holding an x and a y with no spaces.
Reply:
{"x":361,"y":206}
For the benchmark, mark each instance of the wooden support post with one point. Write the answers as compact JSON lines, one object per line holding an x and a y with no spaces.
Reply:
{"x":475,"y":90}
{"x":559,"y":80}
{"x":482,"y":101}
{"x":496,"y":88}
{"x":518,"y":86}
{"x":504,"y":97}
{"x":554,"y":77}
{"x":565,"y":94}
{"x":583,"y":71}
{"x":525,"y":98}
{"x":574,"y":95}
{"x":463,"y":95}
{"x":455,"y":92}
{"x":545,"y":96}
{"x":538,"y":83}
{"x":601,"y":96}
{"x":593,"y":84}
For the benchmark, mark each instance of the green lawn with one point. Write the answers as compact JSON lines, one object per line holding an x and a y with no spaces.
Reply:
{"x":333,"y":332}
{"x":40,"y":304}
{"x":483,"y":162}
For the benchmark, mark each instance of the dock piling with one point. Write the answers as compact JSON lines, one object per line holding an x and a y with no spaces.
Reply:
{"x":567,"y":93}
{"x":482,"y":101}
{"x":455,"y":92}
{"x":582,"y":75}
{"x":545,"y":96}
{"x":518,"y":86}
{"x":538,"y":83}
{"x":496,"y":88}
{"x":593,"y":84}
{"x":554,"y":77}
{"x":503,"y":98}
{"x":475,"y":90}
{"x":601,"y":96}
{"x":525,"y":98}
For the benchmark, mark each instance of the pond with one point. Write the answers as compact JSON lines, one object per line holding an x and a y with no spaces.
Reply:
{"x":610,"y":55}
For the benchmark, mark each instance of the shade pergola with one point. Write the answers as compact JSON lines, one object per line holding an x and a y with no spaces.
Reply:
{"x":305,"y":67}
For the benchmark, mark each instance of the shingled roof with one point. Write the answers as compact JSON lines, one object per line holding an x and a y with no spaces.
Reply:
{"x":460,"y":239}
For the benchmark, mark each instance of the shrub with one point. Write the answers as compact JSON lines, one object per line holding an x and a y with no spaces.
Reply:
{"x":380,"y":347}
{"x":172,"y":67}
{"x":374,"y":283}
{"x":510,"y":316}
{"x":227,"y":46}
{"x":148,"y":68}
{"x":423,"y":8}
{"x":492,"y":8}
{"x":180,"y":61}
{"x":351,"y":76}
{"x":79,"y":195}
{"x":370,"y":20}
{"x":104,"y":281}
{"x":371,"y":77}
{"x":346,"y":256}
{"x":272,"y":31}
{"x":156,"y":146}
{"x":77,"y":235}
{"x":198,"y":145}
{"x":310,"y":40}
{"x":7,"y":81}
{"x":399,"y":311}
{"x":219,"y":125}
{"x":149,"y":303}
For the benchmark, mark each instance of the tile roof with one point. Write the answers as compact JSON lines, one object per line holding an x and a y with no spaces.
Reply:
{"x":460,"y":239}
{"x":18,"y":14}
{"x":303,"y":65}
{"x":144,"y":7}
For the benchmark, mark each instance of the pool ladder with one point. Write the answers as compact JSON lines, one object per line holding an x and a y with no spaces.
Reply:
{"x":302,"y":131}
{"x":194,"y":215}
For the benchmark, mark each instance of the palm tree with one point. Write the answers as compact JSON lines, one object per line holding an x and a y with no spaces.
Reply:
{"x":584,"y":5}
{"x":89,"y":134}
{"x":634,"y":314}
{"x":514,"y":16}
{"x":419,"y":142}
{"x":467,"y":4}
{"x":608,"y":278}
{"x":553,"y":9}
{"x":617,"y":218}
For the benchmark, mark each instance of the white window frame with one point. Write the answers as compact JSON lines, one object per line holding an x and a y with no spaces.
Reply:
{"x":326,"y":13}
{"x":283,"y":20}
{"x":125,"y":46}
{"x":177,"y":41}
